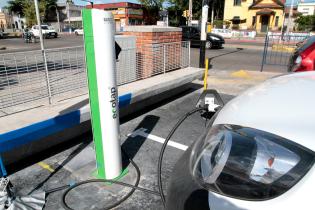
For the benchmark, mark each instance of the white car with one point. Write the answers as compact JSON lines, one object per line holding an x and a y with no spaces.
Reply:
{"x":258,"y":153}
{"x":47,"y":31}
{"x":78,"y":31}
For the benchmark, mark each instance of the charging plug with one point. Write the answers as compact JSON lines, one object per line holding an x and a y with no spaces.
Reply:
{"x":210,"y":104}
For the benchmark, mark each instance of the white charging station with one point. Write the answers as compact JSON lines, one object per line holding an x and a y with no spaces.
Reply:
{"x":99,"y":41}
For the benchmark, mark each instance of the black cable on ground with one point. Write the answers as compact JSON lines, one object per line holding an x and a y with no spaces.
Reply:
{"x":164,"y":147}
{"x":134,"y":187}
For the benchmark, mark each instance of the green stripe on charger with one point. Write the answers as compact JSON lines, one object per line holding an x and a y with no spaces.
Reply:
{"x":93,"y":91}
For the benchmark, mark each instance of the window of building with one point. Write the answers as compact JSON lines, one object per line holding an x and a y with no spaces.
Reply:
{"x":277,"y":21}
{"x":254,"y":21}
{"x":237,"y":2}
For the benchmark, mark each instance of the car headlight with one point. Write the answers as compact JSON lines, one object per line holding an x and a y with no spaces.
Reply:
{"x":214,"y":38}
{"x":247,"y":163}
{"x":298,"y":60}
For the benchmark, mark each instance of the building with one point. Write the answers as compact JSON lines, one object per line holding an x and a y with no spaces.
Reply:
{"x":258,"y":15}
{"x":6,"y":20}
{"x":306,"y":7}
{"x":125,"y":13}
{"x":69,"y":16}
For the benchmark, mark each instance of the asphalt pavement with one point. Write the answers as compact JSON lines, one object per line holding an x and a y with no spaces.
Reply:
{"x":141,"y":136}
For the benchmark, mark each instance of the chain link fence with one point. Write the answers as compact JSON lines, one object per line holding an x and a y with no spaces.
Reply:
{"x":23,"y":78}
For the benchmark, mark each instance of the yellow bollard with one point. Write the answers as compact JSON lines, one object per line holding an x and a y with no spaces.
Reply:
{"x":205,"y":79}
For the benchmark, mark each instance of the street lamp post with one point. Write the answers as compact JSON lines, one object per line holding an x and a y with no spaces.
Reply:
{"x":42,"y":49}
{"x":190,"y":13}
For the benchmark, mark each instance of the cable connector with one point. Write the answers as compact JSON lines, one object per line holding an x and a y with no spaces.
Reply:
{"x":210,"y":100}
{"x":210,"y":104}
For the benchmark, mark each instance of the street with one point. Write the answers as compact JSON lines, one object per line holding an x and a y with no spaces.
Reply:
{"x":228,"y":58}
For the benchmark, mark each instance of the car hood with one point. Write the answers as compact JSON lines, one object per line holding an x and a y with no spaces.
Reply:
{"x":283,"y":106}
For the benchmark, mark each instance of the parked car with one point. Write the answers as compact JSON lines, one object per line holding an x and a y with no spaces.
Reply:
{"x":47,"y":31}
{"x":303,"y":59}
{"x":78,"y":31}
{"x":192,"y":34}
{"x":3,"y":34}
{"x":257,"y":153}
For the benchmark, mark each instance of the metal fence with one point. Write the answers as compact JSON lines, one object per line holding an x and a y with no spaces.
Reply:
{"x":279,"y":48}
{"x":23,"y":77}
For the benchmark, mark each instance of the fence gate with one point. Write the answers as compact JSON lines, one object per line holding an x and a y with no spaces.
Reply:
{"x":278,"y":48}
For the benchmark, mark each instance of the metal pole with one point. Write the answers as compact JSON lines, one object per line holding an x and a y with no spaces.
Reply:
{"x":203,"y":37}
{"x":164,"y":59}
{"x":190,"y":13}
{"x":43,"y":49}
{"x":189,"y":53}
{"x":290,"y":17}
{"x":58,"y":20}
{"x":68,"y":14}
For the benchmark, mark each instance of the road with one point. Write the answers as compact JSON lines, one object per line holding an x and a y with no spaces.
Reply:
{"x":227,"y":58}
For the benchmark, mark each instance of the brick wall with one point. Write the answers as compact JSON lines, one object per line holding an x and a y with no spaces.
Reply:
{"x":155,"y":37}
{"x":150,"y":50}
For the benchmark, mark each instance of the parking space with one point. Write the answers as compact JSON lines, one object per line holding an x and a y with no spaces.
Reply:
{"x":45,"y":173}
{"x":142,"y":134}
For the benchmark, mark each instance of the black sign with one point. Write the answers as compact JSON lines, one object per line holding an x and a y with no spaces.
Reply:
{"x":117,"y":49}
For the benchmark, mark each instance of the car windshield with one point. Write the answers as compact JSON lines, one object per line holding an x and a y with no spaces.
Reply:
{"x":307,"y":43}
{"x":45,"y":27}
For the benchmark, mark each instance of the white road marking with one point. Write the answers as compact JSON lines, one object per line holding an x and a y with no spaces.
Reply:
{"x":142,"y":132}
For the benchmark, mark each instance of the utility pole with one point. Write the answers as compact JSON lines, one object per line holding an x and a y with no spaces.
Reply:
{"x":203,"y":35}
{"x":290,"y":17}
{"x":190,"y":13}
{"x":58,"y":19}
{"x":212,"y":13}
{"x":68,"y":14}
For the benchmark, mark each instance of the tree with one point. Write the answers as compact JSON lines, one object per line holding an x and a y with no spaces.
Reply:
{"x":30,"y":13}
{"x":26,"y":8}
{"x":305,"y":23}
{"x":152,"y":3}
{"x":16,"y":6}
{"x":151,"y":10}
{"x":182,"y":5}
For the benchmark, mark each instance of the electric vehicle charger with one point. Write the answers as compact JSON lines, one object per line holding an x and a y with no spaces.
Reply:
{"x":201,"y":107}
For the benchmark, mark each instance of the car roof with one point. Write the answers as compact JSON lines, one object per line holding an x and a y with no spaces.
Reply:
{"x":283,"y":106}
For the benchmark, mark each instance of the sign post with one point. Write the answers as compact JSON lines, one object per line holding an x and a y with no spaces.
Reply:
{"x":99,"y":42}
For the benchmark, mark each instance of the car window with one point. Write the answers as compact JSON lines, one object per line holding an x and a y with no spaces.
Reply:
{"x":45,"y":27}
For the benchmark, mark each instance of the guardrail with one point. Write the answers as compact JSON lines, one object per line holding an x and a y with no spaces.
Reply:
{"x":23,"y":77}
